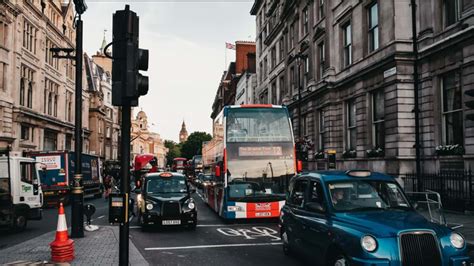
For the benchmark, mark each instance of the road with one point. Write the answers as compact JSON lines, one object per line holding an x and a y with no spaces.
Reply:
{"x":49,"y":223}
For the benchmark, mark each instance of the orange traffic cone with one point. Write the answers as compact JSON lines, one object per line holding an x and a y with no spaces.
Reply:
{"x":62,"y":248}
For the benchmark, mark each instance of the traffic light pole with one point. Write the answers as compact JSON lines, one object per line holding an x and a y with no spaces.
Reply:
{"x":124,"y":183}
{"x":77,"y":193}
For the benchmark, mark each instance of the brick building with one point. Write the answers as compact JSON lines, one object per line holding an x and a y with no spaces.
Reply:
{"x":349,"y":66}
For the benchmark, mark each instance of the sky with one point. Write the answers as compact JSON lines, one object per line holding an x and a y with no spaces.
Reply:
{"x":186,"y":41}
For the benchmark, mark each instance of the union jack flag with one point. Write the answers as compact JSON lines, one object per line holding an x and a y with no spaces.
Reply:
{"x":229,"y":46}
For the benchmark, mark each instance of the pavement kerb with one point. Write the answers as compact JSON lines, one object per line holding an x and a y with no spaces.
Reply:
{"x":99,"y":247}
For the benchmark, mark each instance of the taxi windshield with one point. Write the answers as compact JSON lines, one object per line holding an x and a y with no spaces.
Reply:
{"x":364,"y":195}
{"x":159,"y":185}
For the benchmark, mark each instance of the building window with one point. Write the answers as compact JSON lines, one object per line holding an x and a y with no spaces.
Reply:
{"x":107,"y":132}
{"x":322,"y":130}
{"x":373,"y":27}
{"x":307,"y":67}
{"x":68,"y":106}
{"x":273,"y":54}
{"x":347,"y":38}
{"x":29,"y":37}
{"x":26,"y":87}
{"x":282,"y":48}
{"x":264,"y":97}
{"x":291,"y":39}
{"x":25,"y":132}
{"x":3,"y":33}
{"x":3,"y":69}
{"x":451,"y":12}
{"x":351,"y":125}
{"x":265,"y":67}
{"x":453,"y":128}
{"x":305,"y":21}
{"x":305,"y":120}
{"x":378,"y":119}
{"x":49,"y":59}
{"x":50,"y":140}
{"x":55,"y":105}
{"x":51,"y":97}
{"x":321,"y":9}
{"x":274,"y":93}
{"x":322,"y":59}
{"x":282,"y":88}
{"x":292,"y":79}
{"x":68,"y":142}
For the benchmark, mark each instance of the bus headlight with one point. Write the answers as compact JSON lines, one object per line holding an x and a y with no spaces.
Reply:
{"x":149,"y":206}
{"x":456,"y":240}
{"x":369,"y":243}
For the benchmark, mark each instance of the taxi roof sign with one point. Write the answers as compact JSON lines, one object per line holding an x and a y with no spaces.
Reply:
{"x":359,"y":173}
{"x":166,"y":174}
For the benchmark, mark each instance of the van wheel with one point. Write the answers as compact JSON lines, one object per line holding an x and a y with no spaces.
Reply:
{"x":19,"y":222}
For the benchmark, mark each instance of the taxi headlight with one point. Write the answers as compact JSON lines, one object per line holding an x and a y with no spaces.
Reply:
{"x":189,"y":205}
{"x":149,"y":206}
{"x":369,"y":243}
{"x":456,"y":240}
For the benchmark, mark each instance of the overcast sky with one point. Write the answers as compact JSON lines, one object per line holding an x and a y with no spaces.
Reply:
{"x":186,"y":40}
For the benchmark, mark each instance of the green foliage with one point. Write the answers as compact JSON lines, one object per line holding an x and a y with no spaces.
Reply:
{"x":174,"y":150}
{"x":193,"y":146}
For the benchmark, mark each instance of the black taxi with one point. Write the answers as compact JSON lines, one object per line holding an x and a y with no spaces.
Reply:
{"x":164,"y":199}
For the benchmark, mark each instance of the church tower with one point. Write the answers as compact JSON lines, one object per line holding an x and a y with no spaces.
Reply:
{"x":183,"y":134}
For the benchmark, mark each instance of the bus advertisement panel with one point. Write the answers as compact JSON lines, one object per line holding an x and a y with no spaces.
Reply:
{"x":256,"y":165}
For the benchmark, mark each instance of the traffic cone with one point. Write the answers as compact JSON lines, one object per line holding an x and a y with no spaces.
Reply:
{"x":62,"y":248}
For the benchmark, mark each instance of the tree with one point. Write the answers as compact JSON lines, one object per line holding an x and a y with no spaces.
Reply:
{"x":193,"y":146}
{"x":174,"y":150}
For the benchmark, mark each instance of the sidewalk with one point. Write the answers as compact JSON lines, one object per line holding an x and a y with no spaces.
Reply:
{"x":96,"y":248}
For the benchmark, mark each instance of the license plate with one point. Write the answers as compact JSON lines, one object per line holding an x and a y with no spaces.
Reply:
{"x":48,"y":193}
{"x":171,"y":222}
{"x":263,"y":214}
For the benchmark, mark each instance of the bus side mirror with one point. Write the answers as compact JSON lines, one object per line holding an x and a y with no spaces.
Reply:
{"x":218,"y":171}
{"x":299,"y":165}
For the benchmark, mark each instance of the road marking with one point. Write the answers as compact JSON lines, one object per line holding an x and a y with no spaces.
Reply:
{"x":214,"y":246}
{"x":100,"y":217}
{"x":253,"y":233}
{"x":210,"y":225}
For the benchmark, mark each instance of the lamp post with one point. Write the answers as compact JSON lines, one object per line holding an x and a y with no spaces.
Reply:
{"x":77,"y":193}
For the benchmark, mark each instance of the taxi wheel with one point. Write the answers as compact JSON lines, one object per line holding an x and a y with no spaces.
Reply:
{"x":286,"y":244}
{"x":340,"y":260}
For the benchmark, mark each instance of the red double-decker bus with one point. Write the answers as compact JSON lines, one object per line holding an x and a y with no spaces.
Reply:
{"x":251,"y":159}
{"x":179,"y":165}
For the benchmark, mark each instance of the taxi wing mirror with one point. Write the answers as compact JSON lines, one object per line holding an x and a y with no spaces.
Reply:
{"x":315,"y":207}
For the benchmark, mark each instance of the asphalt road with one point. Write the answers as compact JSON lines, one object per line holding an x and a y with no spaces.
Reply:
{"x":213,"y":242}
{"x":49,"y":223}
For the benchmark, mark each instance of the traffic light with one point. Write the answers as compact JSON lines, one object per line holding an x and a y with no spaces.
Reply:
{"x":127,"y":82}
{"x":470,"y":104}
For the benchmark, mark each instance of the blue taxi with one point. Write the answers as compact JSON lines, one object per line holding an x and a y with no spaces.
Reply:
{"x":362,"y":218}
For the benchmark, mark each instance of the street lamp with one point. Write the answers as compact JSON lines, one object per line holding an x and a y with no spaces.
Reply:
{"x":77,"y":192}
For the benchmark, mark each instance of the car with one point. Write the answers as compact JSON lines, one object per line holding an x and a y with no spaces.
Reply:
{"x":164,"y":199}
{"x":203,"y":180}
{"x":360,"y":217}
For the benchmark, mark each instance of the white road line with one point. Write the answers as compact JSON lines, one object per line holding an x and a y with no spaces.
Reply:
{"x":100,"y":217}
{"x":214,"y":246}
{"x":212,"y":225}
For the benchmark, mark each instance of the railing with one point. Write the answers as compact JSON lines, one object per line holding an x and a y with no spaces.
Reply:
{"x":454,"y":187}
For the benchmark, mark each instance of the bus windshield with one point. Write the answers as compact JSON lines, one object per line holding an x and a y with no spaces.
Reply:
{"x":260,"y":153}
{"x":258,"y":125}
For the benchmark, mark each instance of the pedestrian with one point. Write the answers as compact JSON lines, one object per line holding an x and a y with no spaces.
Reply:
{"x":108,"y":180}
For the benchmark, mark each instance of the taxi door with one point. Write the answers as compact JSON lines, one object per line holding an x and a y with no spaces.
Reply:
{"x":294,"y":219}
{"x":315,"y":222}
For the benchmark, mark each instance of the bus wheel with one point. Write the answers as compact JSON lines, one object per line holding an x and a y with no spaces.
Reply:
{"x":19,"y":222}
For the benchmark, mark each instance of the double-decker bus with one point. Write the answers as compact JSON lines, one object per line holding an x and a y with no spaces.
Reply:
{"x":179,"y":165}
{"x":252,"y":159}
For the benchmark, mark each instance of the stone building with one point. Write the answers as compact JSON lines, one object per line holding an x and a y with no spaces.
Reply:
{"x":103,"y":116}
{"x":144,"y":141}
{"x":37,"y":90}
{"x":347,"y":66}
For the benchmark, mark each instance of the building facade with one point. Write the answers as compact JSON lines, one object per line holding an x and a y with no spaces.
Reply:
{"x":37,"y":90}
{"x":345,"y":71}
{"x":144,"y":141}
{"x":103,"y":116}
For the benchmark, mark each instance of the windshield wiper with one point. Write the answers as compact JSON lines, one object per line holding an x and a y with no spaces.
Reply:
{"x":365,"y":209}
{"x":400,"y":207}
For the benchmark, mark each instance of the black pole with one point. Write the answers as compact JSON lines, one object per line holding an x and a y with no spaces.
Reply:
{"x":415,"y":88}
{"x":125,"y":182}
{"x":298,"y":63}
{"x":77,"y":193}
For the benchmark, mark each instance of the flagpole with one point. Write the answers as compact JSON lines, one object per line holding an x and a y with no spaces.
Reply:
{"x":225,"y":60}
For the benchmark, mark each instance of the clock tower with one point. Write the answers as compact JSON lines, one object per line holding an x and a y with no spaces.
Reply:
{"x":183,"y":134}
